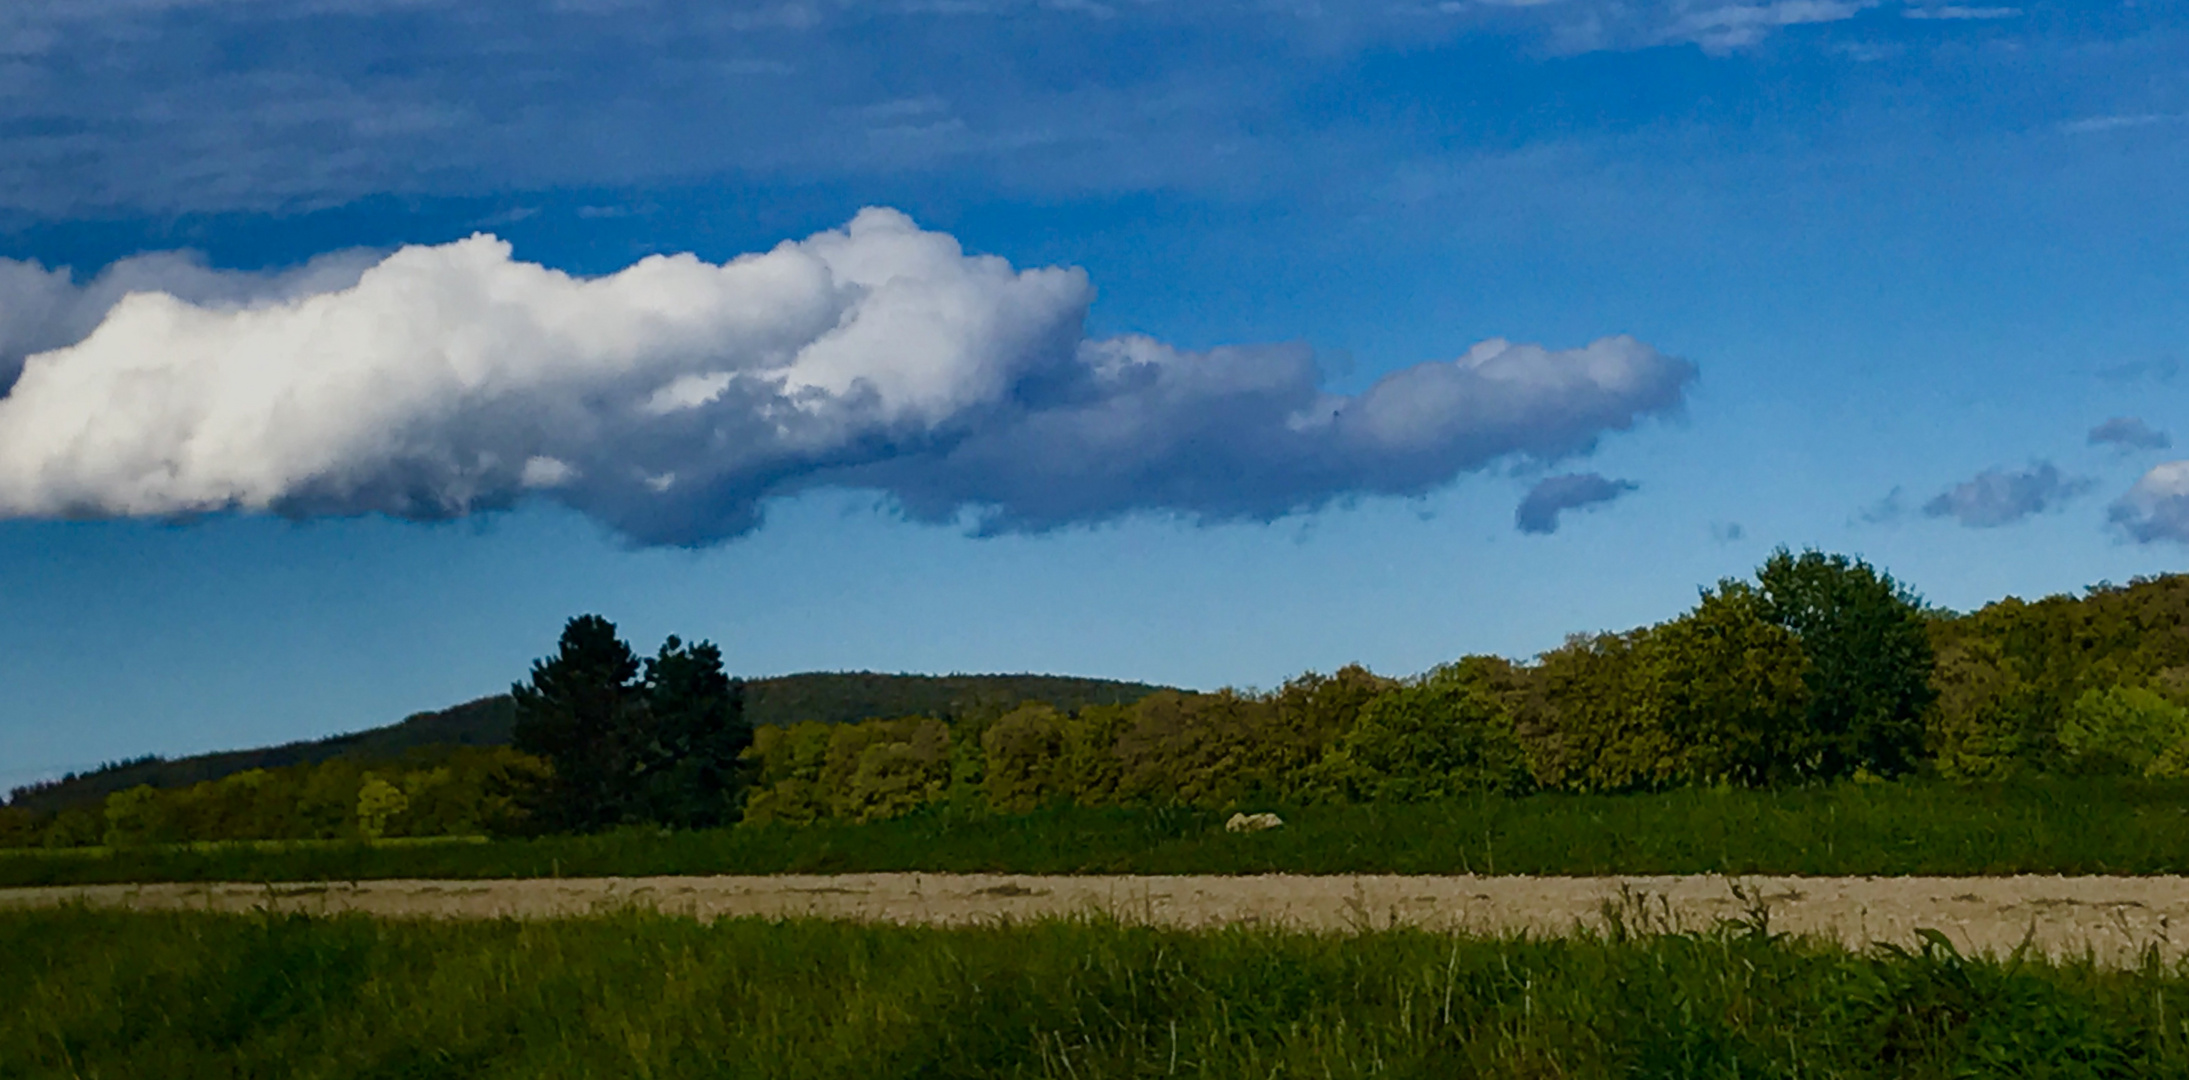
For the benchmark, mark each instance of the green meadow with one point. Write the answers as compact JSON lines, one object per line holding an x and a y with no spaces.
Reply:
{"x":96,"y":994}
{"x":2051,"y":826}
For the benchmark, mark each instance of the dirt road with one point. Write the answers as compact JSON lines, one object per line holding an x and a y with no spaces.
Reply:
{"x":2116,"y":917}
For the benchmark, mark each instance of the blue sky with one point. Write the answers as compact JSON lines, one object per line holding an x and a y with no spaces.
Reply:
{"x":1904,"y":280}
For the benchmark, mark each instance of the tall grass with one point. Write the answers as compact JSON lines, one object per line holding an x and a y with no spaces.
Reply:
{"x":101,"y":994}
{"x":2057,"y":826}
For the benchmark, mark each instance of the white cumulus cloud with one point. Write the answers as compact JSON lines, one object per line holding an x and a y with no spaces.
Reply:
{"x":673,"y":398}
{"x":2157,"y":507}
{"x":44,"y":308}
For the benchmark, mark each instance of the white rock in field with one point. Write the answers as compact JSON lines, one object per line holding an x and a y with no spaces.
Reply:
{"x":1252,"y":822}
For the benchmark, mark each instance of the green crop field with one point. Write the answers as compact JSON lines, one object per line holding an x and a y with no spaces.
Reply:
{"x":2064,"y":826}
{"x":95,"y":994}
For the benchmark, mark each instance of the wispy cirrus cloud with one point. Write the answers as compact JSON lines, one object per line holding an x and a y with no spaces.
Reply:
{"x":1888,"y":509}
{"x":2091,"y":125}
{"x":2157,"y":370}
{"x":1960,"y":13}
{"x":212,"y":105}
{"x":1724,"y":28}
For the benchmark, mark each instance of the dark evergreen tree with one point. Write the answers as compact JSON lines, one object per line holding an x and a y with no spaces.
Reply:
{"x":688,"y":770}
{"x":581,"y":711}
{"x":1869,"y":658}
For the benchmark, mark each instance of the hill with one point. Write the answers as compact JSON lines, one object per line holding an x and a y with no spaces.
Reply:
{"x":829,"y":697}
{"x":2010,"y":674}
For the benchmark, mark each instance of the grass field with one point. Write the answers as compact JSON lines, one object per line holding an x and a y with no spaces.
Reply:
{"x":185,"y":995}
{"x":2053,"y":826}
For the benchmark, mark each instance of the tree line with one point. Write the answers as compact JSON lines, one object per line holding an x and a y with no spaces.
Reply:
{"x":1817,"y":668}
{"x":830,"y":696}
{"x":432,"y":791}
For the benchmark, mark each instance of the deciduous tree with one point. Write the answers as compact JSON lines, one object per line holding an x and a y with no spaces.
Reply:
{"x":1728,"y":689}
{"x":1869,"y":659}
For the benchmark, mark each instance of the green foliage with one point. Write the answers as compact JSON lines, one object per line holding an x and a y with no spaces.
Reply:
{"x":1869,"y":660}
{"x":1199,"y":749}
{"x":852,"y":696}
{"x":457,"y":791}
{"x":580,"y":712}
{"x":20,"y":827}
{"x":662,"y":748}
{"x":1821,"y":668}
{"x":1590,"y":726}
{"x":695,"y":732}
{"x":75,"y":827}
{"x":2010,"y":674}
{"x":1024,"y":759}
{"x":1169,"y":747}
{"x":1989,"y":723}
{"x":828,"y":697}
{"x":484,"y":722}
{"x":1442,"y":735}
{"x":1316,"y":709}
{"x":1091,"y":770}
{"x":198,"y":994}
{"x":791,"y":761}
{"x":137,"y":817}
{"x":2122,"y":729}
{"x":1929,"y":1003}
{"x":886,"y":768}
{"x":871,"y":771}
{"x":377,"y":802}
{"x":1730,"y":691}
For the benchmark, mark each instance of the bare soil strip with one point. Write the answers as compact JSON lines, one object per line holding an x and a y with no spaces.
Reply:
{"x":2115,"y":918}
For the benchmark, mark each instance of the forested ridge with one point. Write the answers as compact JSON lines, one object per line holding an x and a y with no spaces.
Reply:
{"x":1818,"y":668}
{"x":828,"y":697}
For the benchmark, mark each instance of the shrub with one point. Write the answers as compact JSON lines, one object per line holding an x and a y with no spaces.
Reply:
{"x":861,"y":772}
{"x":1730,"y":692}
{"x":1988,"y":722}
{"x":137,"y":816}
{"x":378,"y":801}
{"x":77,"y":826}
{"x":1592,"y":725}
{"x":1025,"y":763}
{"x":2121,"y":729}
{"x":1199,"y":749}
{"x":790,"y":761}
{"x":887,"y":768}
{"x":1439,"y":736}
{"x":19,"y":827}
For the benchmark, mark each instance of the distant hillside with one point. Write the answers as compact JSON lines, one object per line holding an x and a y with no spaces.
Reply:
{"x":829,"y":697}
